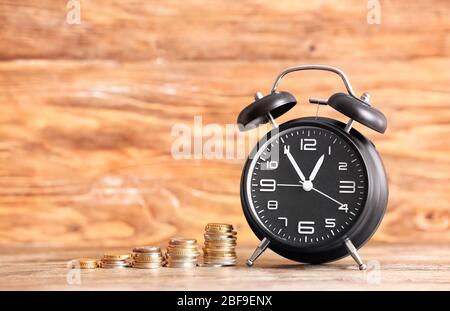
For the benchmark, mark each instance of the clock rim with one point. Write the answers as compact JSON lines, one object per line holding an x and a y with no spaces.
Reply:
{"x":364,"y":226}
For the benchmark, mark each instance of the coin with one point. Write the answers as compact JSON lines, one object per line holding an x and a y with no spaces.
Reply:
{"x":219,"y":226}
{"x":84,"y":263}
{"x":147,"y":249}
{"x":147,"y":257}
{"x":115,"y":261}
{"x":140,"y":265}
{"x":211,"y":265}
{"x":182,"y":252}
{"x":182,"y":265}
{"x":116,"y":256}
{"x":182,"y":241}
{"x":219,"y":248}
{"x":104,"y":266}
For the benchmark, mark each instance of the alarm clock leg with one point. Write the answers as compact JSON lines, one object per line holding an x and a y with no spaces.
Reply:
{"x":258,"y":251}
{"x":354,"y":253}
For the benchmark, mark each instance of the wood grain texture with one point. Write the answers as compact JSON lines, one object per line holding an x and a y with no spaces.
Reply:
{"x":390,"y":267}
{"x":87,"y":110}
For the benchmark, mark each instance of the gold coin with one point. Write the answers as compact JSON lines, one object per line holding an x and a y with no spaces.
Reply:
{"x":183,"y":257}
{"x":221,"y":255}
{"x":148,"y":258}
{"x":182,"y":241}
{"x":152,"y":255}
{"x":221,"y":233}
{"x":218,"y":225}
{"x":84,"y":263}
{"x":219,"y":237}
{"x":229,"y":242}
{"x":84,"y":266}
{"x":182,"y":250}
{"x":220,"y":242}
{"x":86,"y":260}
{"x":116,"y":256}
{"x":114,"y":262}
{"x":220,"y":248}
{"x":147,"y":249}
{"x":171,"y":248}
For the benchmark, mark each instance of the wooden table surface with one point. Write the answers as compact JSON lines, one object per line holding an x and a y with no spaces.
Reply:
{"x":391,"y":267}
{"x":87,"y":110}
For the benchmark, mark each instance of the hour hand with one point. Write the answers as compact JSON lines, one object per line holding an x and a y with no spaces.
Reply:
{"x":294,"y":164}
{"x":316,"y":168}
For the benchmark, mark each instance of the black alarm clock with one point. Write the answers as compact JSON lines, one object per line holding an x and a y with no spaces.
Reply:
{"x":314,"y":189}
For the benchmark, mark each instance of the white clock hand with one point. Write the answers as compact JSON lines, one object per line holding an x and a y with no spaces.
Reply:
{"x":294,"y":164}
{"x":316,"y":168}
{"x":327,"y":196}
{"x":316,"y":190}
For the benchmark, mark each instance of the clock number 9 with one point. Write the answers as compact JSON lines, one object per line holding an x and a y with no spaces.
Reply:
{"x":267,"y":185}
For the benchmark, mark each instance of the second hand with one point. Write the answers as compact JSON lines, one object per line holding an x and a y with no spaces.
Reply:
{"x":318,"y":191}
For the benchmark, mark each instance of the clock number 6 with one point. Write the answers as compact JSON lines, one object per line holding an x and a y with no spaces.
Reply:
{"x":306,"y":227}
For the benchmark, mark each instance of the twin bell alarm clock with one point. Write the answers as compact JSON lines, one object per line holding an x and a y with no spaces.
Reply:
{"x":314,"y":189}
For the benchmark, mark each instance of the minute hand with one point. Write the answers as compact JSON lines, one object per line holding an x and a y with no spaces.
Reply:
{"x":294,"y":164}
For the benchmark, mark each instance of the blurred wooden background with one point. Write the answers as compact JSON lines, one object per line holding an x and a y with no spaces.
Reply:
{"x":87,"y":110}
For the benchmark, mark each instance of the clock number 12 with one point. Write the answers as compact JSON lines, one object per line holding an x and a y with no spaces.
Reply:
{"x":308,"y":144}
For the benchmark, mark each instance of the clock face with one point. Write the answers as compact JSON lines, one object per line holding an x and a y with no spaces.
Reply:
{"x":306,"y":186}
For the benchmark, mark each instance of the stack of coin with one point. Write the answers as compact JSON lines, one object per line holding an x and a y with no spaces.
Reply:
{"x":182,"y":253}
{"x":84,"y":263}
{"x":220,"y":245}
{"x":147,"y":257}
{"x":115,"y":261}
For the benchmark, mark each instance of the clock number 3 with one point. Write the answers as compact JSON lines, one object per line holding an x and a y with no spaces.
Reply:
{"x":347,"y":186}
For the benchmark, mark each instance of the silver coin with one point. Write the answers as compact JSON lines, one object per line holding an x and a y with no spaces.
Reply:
{"x":182,"y":260}
{"x":180,"y":255}
{"x":103,"y":266}
{"x":147,"y":249}
{"x":214,"y":261}
{"x":146,"y":266}
{"x":214,"y":265}
{"x":182,"y":241}
{"x":181,"y":265}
